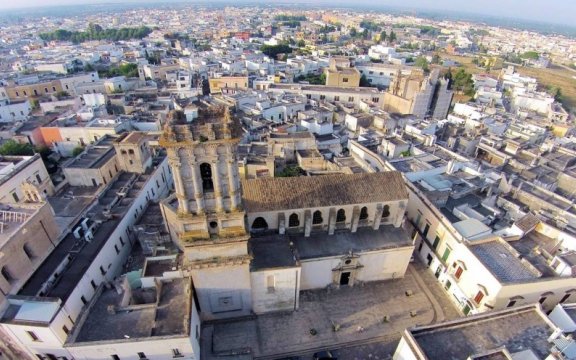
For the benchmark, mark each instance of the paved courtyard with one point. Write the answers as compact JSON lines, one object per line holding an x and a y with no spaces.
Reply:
{"x":359,"y":312}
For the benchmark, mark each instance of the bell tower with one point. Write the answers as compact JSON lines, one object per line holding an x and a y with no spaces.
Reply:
{"x":204,"y":215}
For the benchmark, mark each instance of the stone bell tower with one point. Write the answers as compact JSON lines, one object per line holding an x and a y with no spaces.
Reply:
{"x":204,"y":215}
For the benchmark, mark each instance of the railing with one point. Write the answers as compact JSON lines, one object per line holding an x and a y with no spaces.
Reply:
{"x":12,"y":217}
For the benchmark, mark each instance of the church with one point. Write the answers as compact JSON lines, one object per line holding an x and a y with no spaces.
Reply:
{"x":251,"y":246}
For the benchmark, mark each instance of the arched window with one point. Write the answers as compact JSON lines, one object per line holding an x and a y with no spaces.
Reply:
{"x":341,"y":216}
{"x":28,"y":251}
{"x":206,"y":175}
{"x":6,"y":274}
{"x":386,"y":211}
{"x":260,"y":224}
{"x":293,"y":220}
{"x":364,"y":213}
{"x":317,"y":217}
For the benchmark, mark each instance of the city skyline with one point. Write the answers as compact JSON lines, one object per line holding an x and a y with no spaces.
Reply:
{"x":554,"y":11}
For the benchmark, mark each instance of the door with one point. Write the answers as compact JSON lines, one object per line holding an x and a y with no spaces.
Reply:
{"x":426,"y":229}
{"x":345,"y":278}
{"x":429,"y":258}
{"x":466,"y":309}
{"x":438,"y":271}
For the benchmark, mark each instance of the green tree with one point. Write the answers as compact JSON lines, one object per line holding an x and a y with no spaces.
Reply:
{"x":12,"y":147}
{"x":353,"y":32}
{"x":383,"y":36}
{"x":463,"y":83}
{"x":436,"y":59}
{"x":421,"y":62}
{"x":392,"y":37}
{"x":77,"y":151}
{"x":364,"y":81}
{"x":532,"y":55}
{"x":301,"y":43}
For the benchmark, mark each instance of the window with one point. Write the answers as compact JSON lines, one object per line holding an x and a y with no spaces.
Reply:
{"x":116,"y":248}
{"x":436,"y":239}
{"x":322,"y":97}
{"x":270,"y":283}
{"x":93,"y":284}
{"x":38,"y":178}
{"x":317,"y":217}
{"x":542,"y":299}
{"x":478,"y":298}
{"x":336,"y":98}
{"x":511,"y":303}
{"x":115,"y":357}
{"x":28,"y":251}
{"x":33,"y":336}
{"x":206,"y":175}
{"x":386,"y":211}
{"x":83,"y":299}
{"x":7,"y":275}
{"x":446,"y":254}
{"x":102,"y":271}
{"x":458,"y":272}
{"x":564,"y":298}
{"x":364,"y":213}
{"x":65,"y":329}
{"x":345,"y":80}
{"x":293,"y":220}
{"x":141,"y":355}
{"x":15,"y":197}
{"x":259,"y":224}
{"x":375,"y":99}
{"x":351,"y":99}
{"x":53,"y":88}
{"x":121,"y":241}
{"x":341,"y":216}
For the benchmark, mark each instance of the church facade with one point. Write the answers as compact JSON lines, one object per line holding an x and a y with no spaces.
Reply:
{"x":251,"y":246}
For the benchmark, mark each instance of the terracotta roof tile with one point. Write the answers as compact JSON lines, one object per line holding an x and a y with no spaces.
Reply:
{"x":270,"y":194}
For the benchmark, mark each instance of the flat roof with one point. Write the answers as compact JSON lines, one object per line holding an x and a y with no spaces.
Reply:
{"x":502,"y":261}
{"x":365,"y":239}
{"x":93,"y":157}
{"x":518,"y":329}
{"x":169,"y":317}
{"x":269,"y":252}
{"x":82,"y":253}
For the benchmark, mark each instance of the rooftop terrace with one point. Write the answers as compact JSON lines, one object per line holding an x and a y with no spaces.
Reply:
{"x":80,"y":253}
{"x":519,"y":329}
{"x":163,"y":310}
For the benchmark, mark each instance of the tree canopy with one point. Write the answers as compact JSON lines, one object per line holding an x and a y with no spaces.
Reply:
{"x":12,"y":147}
{"x":96,"y":32}
{"x":274,"y":50}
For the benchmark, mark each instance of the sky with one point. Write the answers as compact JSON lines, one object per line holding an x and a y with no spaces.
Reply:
{"x":551,"y":11}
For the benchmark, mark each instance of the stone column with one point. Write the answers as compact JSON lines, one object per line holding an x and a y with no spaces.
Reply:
{"x":232,"y":190}
{"x":180,"y":191}
{"x":378,"y":216}
{"x":355,"y":219}
{"x":217,"y":186}
{"x":307,"y":223}
{"x":331,"y":221}
{"x":198,"y":193}
{"x":281,"y":223}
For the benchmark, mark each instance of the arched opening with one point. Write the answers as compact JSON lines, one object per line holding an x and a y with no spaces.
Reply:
{"x":6,"y":274}
{"x":317,"y":217}
{"x":293,"y":220}
{"x":341,"y":216}
{"x":28,"y":251}
{"x":259,"y":224}
{"x":206,"y":175}
{"x":364,"y":213}
{"x":386,"y":211}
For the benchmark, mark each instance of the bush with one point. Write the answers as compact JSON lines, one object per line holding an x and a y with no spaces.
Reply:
{"x":12,"y":147}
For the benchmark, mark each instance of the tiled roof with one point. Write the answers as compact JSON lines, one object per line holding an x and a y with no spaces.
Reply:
{"x":303,"y":192}
{"x":527,"y":222}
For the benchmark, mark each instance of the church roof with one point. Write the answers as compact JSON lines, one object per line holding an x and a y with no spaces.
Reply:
{"x":269,"y":194}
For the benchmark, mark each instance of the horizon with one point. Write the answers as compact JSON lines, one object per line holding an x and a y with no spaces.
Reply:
{"x":532,"y":10}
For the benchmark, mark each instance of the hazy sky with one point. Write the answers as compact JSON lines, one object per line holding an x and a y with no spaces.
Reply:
{"x":553,"y":11}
